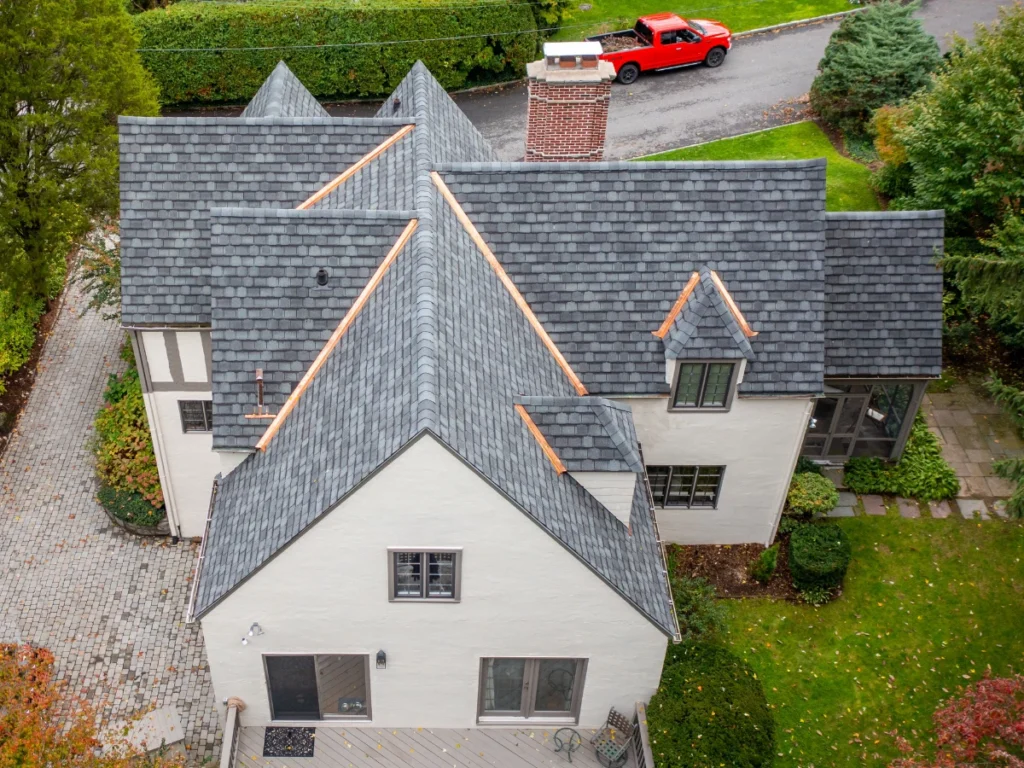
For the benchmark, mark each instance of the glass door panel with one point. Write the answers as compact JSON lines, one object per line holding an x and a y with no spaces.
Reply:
{"x":292,"y":684}
{"x":503,"y":686}
{"x":556,"y":682}
{"x":344,"y":691}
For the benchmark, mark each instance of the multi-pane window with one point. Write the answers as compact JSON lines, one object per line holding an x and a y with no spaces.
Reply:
{"x":424,"y":575}
{"x":532,"y":688}
{"x":703,"y":385}
{"x":685,"y":486}
{"x":196,"y":415}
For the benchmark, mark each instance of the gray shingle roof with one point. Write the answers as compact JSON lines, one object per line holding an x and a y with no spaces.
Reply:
{"x":883,"y":313}
{"x":589,"y":434}
{"x":705,"y":327}
{"x":283,"y":95}
{"x":601,"y":251}
{"x":269,"y":312}
{"x":174,"y":170}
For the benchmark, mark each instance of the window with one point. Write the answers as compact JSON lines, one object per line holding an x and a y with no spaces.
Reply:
{"x":320,"y":687}
{"x":703,"y":385}
{"x":533,"y":688}
{"x":196,"y":415}
{"x":421,"y":575}
{"x":685,"y":486}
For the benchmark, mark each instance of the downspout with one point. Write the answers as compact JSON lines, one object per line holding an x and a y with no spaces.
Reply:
{"x":678,"y":636}
{"x":190,"y":614}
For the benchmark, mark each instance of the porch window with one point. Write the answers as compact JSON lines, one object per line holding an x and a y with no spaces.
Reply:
{"x":685,"y":486}
{"x":703,"y":385}
{"x":320,"y":687}
{"x":424,"y":575}
{"x":196,"y":415}
{"x":531,"y":688}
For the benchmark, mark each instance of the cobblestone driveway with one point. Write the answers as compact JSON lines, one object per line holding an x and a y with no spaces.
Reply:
{"x":110,"y":606}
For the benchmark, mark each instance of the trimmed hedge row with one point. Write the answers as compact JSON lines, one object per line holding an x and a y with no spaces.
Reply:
{"x":370,"y":70}
{"x":818,"y":556}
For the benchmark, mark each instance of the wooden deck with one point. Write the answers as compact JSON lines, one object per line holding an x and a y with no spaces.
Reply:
{"x":368,"y":747}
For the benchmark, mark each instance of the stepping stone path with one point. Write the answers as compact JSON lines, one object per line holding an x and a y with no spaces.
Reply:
{"x":873,"y":505}
{"x":847,"y":501}
{"x":940,"y":509}
{"x":908,"y":508}
{"x":972,"y":509}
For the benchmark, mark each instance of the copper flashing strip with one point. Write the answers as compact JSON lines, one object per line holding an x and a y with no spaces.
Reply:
{"x":678,"y":306}
{"x":544,"y":445}
{"x":353,"y":169}
{"x":261,"y":415}
{"x":744,"y":326}
{"x":343,"y":326}
{"x":507,"y":281}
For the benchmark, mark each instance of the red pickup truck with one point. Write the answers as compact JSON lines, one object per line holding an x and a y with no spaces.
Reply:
{"x":664,"y":41}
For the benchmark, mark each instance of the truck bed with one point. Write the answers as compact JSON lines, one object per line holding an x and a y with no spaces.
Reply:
{"x":623,"y":40}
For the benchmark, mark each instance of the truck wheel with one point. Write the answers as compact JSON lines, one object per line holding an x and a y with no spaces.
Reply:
{"x":628,"y":73}
{"x":715,"y":57}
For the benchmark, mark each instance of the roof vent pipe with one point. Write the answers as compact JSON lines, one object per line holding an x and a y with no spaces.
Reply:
{"x":321,"y":277}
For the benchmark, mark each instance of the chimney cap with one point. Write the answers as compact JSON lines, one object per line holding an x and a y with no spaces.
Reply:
{"x":581,"y":48}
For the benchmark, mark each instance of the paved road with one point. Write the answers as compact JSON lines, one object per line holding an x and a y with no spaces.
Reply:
{"x":110,"y":606}
{"x":674,"y":109}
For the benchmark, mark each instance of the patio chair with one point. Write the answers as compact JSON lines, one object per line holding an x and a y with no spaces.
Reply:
{"x":612,"y":742}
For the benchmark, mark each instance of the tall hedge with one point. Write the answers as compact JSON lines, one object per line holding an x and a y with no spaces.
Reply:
{"x":205,"y":76}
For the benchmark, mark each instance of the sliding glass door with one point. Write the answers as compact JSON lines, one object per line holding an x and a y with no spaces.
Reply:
{"x":534,"y":688}
{"x":319,"y":687}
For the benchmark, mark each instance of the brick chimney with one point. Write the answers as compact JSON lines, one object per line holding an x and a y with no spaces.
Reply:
{"x":567,"y":113}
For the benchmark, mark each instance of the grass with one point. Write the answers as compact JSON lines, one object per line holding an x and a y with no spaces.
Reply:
{"x":738,"y":15}
{"x":846,"y":180}
{"x":929,"y":605}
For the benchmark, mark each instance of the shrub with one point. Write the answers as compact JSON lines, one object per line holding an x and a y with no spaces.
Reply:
{"x":498,"y":40}
{"x":709,"y":710}
{"x":803,"y":464}
{"x":129,"y":506}
{"x":124,"y":447}
{"x":17,"y":332}
{"x":818,"y":556}
{"x":788,"y":524}
{"x":763,"y":568}
{"x":877,"y":57}
{"x":810,"y":494}
{"x":921,"y":473}
{"x":697,"y":607}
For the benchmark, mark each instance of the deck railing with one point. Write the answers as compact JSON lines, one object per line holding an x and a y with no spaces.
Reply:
{"x":231,"y":727}
{"x":642,"y":755}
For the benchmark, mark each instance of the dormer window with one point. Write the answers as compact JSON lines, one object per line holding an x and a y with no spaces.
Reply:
{"x":703,"y":385}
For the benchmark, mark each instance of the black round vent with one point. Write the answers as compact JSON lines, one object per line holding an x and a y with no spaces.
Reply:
{"x":321,"y":276}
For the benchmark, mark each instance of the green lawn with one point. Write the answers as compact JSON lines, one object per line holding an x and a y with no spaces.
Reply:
{"x":846,"y":181}
{"x":928,"y":605}
{"x":738,"y":15}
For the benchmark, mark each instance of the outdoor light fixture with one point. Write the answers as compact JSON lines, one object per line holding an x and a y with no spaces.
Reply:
{"x":382,"y":660}
{"x":255,"y":630}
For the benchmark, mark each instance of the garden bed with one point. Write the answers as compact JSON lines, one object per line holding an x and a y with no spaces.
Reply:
{"x":727,"y":567}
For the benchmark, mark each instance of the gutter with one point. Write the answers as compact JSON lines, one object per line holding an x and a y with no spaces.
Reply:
{"x":190,"y":615}
{"x":678,"y":636}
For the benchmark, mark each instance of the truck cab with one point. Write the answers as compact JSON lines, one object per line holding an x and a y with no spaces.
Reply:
{"x":664,"y":41}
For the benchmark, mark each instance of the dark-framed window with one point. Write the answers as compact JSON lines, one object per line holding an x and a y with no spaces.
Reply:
{"x":692,"y":487}
{"x":545,"y":689}
{"x":424,"y":574}
{"x":703,"y":385}
{"x":196,"y":415}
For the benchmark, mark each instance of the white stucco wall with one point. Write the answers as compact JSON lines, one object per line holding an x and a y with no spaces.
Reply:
{"x":757,"y":441}
{"x":613,"y":489}
{"x":188,"y":464}
{"x":522,"y":595}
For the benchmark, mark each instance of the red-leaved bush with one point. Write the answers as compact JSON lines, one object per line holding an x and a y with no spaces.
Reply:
{"x":983,"y":726}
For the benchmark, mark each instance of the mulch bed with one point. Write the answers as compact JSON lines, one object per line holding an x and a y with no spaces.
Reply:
{"x":19,"y":384}
{"x":727,"y":568}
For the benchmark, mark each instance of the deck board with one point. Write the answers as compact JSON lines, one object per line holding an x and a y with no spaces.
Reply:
{"x":342,"y":746}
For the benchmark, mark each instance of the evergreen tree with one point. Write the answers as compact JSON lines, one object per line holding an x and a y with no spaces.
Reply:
{"x":877,"y":57}
{"x":69,"y":69}
{"x":1011,"y":398}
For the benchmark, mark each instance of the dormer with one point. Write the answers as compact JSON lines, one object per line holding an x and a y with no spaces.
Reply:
{"x":593,"y":441}
{"x":707,"y":343}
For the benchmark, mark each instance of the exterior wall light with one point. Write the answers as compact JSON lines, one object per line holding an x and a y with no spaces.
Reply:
{"x":254,"y":631}
{"x":382,"y":660}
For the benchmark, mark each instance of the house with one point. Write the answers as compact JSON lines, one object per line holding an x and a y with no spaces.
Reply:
{"x":450,"y":408}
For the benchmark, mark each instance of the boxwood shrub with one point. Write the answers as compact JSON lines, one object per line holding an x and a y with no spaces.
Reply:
{"x":819,"y":555}
{"x":710,"y":710}
{"x":921,"y":473}
{"x":811,"y":494}
{"x":129,"y":506}
{"x":507,"y":40}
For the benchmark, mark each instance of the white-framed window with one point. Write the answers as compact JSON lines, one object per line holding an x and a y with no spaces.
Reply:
{"x":692,"y":487}
{"x":424,"y":574}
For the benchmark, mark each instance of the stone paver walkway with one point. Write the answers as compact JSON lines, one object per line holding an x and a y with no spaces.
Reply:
{"x":111,"y":607}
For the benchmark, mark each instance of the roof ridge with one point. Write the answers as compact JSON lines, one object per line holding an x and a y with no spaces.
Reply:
{"x":623,"y":165}
{"x":706,"y":297}
{"x":271,"y":100}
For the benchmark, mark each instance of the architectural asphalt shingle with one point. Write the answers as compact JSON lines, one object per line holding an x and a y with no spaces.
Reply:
{"x":600,"y":252}
{"x":283,"y":95}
